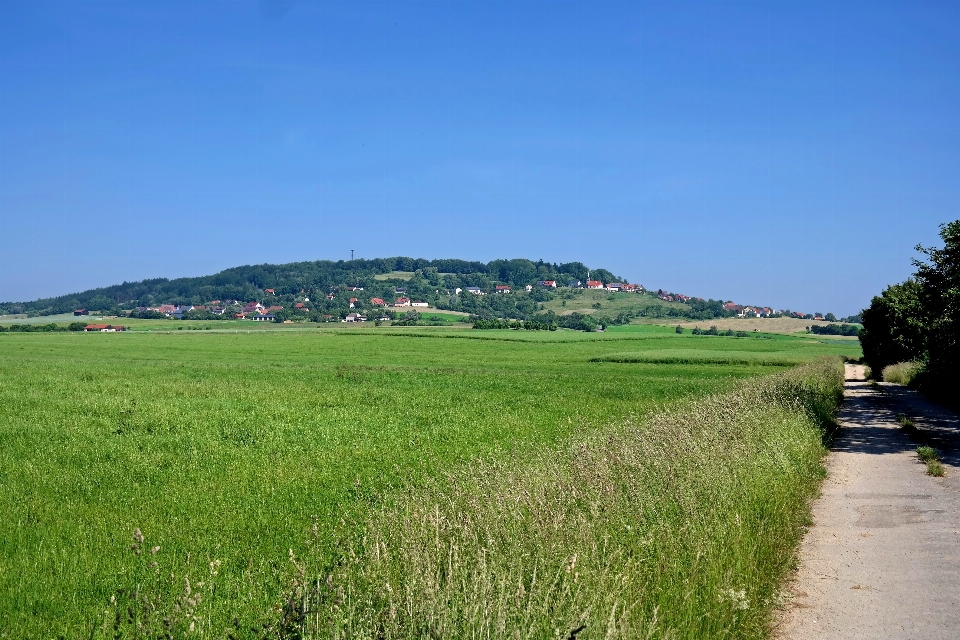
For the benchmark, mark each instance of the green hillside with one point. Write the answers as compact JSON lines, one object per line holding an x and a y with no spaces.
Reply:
{"x":421,"y":277}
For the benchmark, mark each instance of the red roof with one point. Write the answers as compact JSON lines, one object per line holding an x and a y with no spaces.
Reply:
{"x":594,"y":283}
{"x":353,"y":299}
{"x":299,"y":305}
{"x":378,"y":301}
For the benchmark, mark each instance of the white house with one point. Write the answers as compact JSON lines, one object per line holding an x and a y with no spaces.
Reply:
{"x":417,"y":303}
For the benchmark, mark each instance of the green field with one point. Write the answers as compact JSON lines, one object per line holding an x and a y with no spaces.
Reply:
{"x":226,"y":448}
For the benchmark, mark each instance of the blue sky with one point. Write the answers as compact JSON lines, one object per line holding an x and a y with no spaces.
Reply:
{"x":789,"y":154}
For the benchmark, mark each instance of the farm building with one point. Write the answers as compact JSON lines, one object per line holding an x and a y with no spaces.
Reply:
{"x":104,"y":328}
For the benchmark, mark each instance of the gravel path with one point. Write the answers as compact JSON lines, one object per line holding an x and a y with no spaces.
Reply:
{"x":883,"y":557}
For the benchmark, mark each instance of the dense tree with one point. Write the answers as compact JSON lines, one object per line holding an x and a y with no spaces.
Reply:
{"x":920,"y":319}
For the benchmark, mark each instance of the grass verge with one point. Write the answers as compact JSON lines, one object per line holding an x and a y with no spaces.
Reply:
{"x":683,"y":524}
{"x":900,"y":373}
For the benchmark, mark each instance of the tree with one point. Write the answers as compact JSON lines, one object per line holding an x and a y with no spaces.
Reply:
{"x":830,"y":317}
{"x":919,"y":319}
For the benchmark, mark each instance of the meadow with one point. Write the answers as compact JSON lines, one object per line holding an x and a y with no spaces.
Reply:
{"x":257,"y":461}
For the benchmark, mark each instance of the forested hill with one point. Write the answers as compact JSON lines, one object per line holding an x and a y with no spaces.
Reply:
{"x":249,"y":283}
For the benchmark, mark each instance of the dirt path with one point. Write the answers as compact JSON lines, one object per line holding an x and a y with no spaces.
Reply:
{"x":883,"y":557}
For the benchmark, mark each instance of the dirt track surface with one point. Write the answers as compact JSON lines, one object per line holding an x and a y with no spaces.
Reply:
{"x":883,"y":557}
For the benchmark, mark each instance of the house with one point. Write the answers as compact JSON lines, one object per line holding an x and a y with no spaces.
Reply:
{"x":477,"y":291}
{"x":264,"y":317}
{"x":417,"y":303}
{"x":240,"y":316}
{"x":270,"y":291}
{"x":402,"y":302}
{"x":457,"y":291}
{"x":354,"y":317}
{"x":594,"y":284}
{"x":550,"y":284}
{"x":528,"y":288}
{"x":167,"y":309}
{"x":105,"y":328}
{"x":217,"y":311}
{"x":378,"y":302}
{"x":252,"y":307}
{"x":614,"y":286}
{"x":399,"y":290}
{"x":574,"y":284}
{"x":273,"y":309}
{"x":352,"y":302}
{"x":81,"y":312}
{"x":354,"y":288}
{"x":503,"y":288}
{"x":628,"y":288}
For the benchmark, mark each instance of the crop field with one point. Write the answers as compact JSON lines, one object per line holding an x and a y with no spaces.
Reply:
{"x":264,"y":464}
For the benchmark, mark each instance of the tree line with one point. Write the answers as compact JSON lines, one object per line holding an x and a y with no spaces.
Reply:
{"x":919,"y":319}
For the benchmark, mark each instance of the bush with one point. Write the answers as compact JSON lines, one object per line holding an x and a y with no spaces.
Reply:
{"x":836,"y":330}
{"x":901,"y":373}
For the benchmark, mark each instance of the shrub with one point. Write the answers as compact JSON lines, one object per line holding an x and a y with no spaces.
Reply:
{"x":926,"y":453}
{"x":679,"y":329}
{"x":901,"y":373}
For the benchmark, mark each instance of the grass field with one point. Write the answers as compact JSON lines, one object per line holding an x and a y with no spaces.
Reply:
{"x":229,"y":451}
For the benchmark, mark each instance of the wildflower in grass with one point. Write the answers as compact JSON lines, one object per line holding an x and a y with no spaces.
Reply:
{"x":738,"y":598}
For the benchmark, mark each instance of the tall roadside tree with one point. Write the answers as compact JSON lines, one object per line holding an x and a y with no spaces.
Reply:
{"x":919,"y":319}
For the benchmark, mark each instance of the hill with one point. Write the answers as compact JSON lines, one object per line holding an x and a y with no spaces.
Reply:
{"x":253,"y":282}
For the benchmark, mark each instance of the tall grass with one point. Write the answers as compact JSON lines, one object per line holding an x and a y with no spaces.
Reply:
{"x":901,"y":372}
{"x":679,"y":525}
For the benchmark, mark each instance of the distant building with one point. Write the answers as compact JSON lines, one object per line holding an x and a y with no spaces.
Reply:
{"x":264,"y":317}
{"x":104,"y":328}
{"x":477,"y":291}
{"x":81,"y":312}
{"x":417,"y":303}
{"x":354,"y":317}
{"x":402,"y":302}
{"x":594,"y":284}
{"x":574,"y":284}
{"x":614,"y":286}
{"x":503,"y":288}
{"x":550,"y":284}
{"x":378,"y":302}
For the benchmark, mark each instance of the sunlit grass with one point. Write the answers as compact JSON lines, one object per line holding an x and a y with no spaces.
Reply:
{"x":223,"y":447}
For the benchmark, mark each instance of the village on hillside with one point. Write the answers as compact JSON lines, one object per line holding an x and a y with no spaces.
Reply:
{"x":349,"y":304}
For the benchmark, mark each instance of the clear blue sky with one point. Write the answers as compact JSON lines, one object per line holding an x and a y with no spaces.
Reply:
{"x":789,"y":154}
